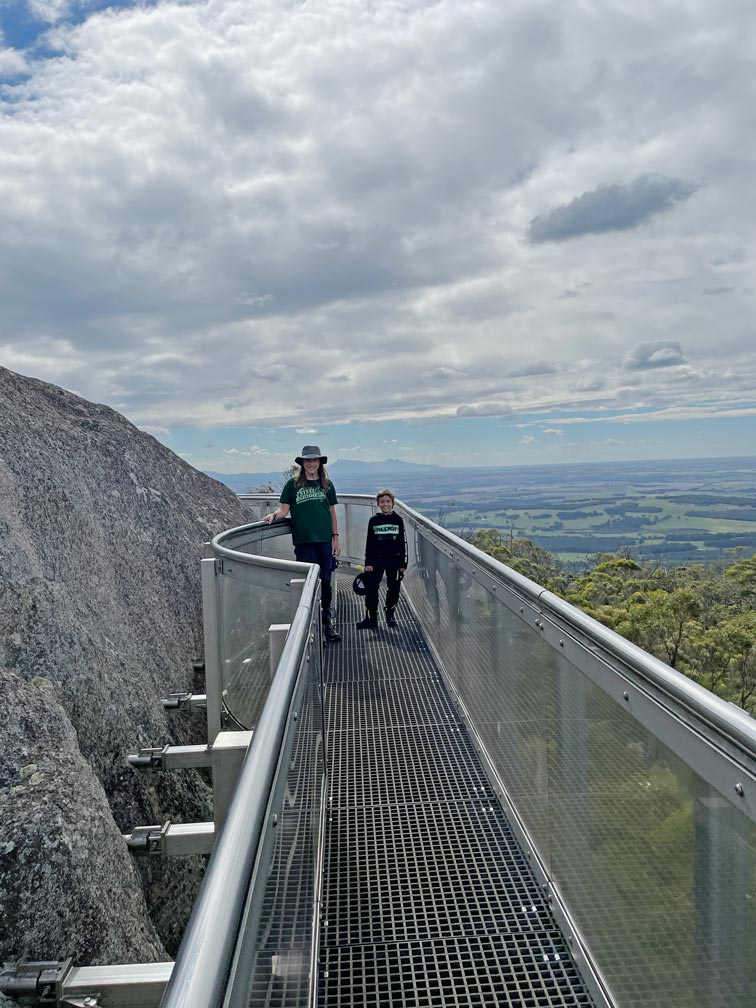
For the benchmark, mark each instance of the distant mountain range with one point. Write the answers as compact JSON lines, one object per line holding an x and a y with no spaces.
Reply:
{"x":345,"y":473}
{"x":424,"y":486}
{"x":387,"y":465}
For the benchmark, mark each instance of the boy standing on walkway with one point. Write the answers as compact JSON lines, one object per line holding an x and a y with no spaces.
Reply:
{"x":385,"y":552}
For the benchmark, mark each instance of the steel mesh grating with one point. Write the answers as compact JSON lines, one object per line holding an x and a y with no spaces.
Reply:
{"x":526,"y":971}
{"x":420,"y":871}
{"x":427,"y":897}
{"x":416,"y":763}
{"x":391,"y":703}
{"x":385,"y":653}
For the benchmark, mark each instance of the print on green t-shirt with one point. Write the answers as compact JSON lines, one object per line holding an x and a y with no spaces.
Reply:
{"x":310,"y":510}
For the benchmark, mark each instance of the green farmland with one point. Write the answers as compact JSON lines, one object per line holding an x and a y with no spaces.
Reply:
{"x":673,"y":514}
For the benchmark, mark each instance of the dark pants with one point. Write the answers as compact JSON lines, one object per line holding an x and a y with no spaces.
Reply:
{"x":372,"y":581}
{"x":319,"y":553}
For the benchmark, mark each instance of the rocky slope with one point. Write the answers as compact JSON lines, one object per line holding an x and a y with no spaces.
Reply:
{"x":101,"y":532}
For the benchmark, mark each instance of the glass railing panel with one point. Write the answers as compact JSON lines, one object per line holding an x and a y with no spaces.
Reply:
{"x":262,"y":540}
{"x":657,"y":866}
{"x":505,"y":676}
{"x":353,"y":516}
{"x":279,"y":547}
{"x":487,"y":654}
{"x":250,"y":600}
{"x":634,"y":812}
{"x":273,"y":958}
{"x":428,"y":583}
{"x":255,"y":507}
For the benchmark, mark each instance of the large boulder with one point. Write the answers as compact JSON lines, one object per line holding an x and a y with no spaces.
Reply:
{"x":101,"y":532}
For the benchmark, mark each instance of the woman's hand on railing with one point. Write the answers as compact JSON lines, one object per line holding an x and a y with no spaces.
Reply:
{"x":282,"y":511}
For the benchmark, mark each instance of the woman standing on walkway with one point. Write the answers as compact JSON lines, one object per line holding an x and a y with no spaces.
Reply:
{"x":309,"y":499}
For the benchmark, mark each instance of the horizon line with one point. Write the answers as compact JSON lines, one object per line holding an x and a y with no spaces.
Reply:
{"x":535,"y":465}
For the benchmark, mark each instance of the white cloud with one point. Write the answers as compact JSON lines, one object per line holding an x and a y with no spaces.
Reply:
{"x":12,"y":62}
{"x":588,"y":385}
{"x":254,"y":451}
{"x":669,"y":414}
{"x":489,"y":409}
{"x":274,"y":372}
{"x":49,"y":11}
{"x":442,"y":374}
{"x":527,"y":440}
{"x":230,"y":214}
{"x":254,"y":300}
{"x":663,"y":353}
{"x":536,"y":368}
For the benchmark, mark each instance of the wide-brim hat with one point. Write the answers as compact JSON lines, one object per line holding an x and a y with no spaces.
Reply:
{"x":311,"y":451}
{"x":358,"y":585}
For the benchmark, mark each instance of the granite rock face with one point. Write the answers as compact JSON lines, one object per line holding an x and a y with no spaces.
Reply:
{"x":58,"y":835}
{"x":101,"y":532}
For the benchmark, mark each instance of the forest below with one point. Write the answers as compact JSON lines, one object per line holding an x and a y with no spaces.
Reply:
{"x":699,"y":618}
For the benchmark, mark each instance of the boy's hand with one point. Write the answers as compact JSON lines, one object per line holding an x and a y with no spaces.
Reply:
{"x":368,"y":568}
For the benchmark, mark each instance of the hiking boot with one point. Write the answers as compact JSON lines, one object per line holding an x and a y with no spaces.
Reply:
{"x":369,"y":623}
{"x":390,"y":620}
{"x":330,"y":633}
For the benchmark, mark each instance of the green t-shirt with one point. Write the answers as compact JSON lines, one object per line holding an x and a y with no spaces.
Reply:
{"x":310,"y":510}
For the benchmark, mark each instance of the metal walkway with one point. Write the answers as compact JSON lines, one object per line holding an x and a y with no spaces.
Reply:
{"x":427,"y":897}
{"x":633,"y":787}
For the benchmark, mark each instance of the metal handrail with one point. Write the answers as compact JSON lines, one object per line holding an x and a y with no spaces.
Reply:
{"x":200,"y":975}
{"x":281,"y":526}
{"x":738,"y":726}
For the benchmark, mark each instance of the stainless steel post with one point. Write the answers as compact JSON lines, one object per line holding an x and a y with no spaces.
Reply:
{"x":211,"y":630}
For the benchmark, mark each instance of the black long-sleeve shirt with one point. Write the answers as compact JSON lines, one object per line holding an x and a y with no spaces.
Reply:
{"x":386,"y":543}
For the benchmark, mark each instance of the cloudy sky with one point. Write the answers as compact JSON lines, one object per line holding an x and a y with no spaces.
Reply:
{"x":480,"y":232}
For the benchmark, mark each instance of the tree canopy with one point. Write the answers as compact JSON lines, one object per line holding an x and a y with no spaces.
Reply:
{"x":700,"y":619}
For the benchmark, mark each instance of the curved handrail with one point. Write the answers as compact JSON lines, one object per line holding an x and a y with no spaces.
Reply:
{"x":202,"y":967}
{"x":278,"y":527}
{"x":725,"y":717}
